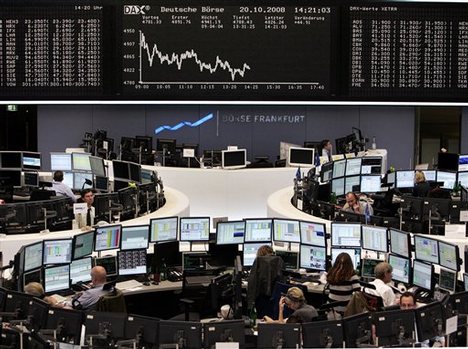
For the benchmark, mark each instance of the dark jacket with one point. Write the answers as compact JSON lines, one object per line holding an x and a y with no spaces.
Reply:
{"x":266,"y":271}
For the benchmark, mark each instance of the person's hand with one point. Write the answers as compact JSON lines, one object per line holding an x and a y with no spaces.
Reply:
{"x":268,"y":319}
{"x":282,"y":303}
{"x":356,"y":207}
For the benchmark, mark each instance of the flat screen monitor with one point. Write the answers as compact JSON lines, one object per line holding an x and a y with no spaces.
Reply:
{"x":400,"y":242}
{"x":463,"y":178}
{"x":10,"y":159}
{"x":356,"y":328}
{"x":97,"y":166}
{"x":232,"y":159}
{"x":354,"y":253}
{"x":60,"y":161}
{"x":345,"y":234}
{"x":57,"y":251}
{"x":108,"y":237}
{"x":258,"y":230}
{"x":422,"y":274}
{"x":163,"y":229}
{"x":32,"y":256}
{"x":250,"y":252}
{"x":286,"y":230}
{"x":194,"y":228}
{"x":430,"y":175}
{"x":185,"y":334}
{"x":338,"y":186}
{"x":371,"y":165}
{"x":83,"y":244}
{"x":82,"y":180}
{"x":68,"y":321}
{"x":391,"y":178}
{"x":166,"y":145}
{"x":31,"y":161}
{"x":132,"y":262}
{"x":31,"y":179}
{"x":352,"y":183}
{"x":465,"y":281}
{"x":69,"y":179}
{"x":313,"y":257}
{"x":57,"y":278}
{"x":447,"y":161}
{"x":368,"y":267}
{"x":146,"y":176}
{"x":322,"y":334}
{"x":109,"y":263}
{"x":370,"y":184}
{"x":326,"y":172}
{"x":143,"y":327}
{"x":121,"y":169}
{"x":290,"y":259}
{"x":228,"y":233}
{"x":135,"y":172}
{"x":463,"y":162}
{"x":101,"y":183}
{"x":278,"y":336}
{"x":353,"y":166}
{"x":339,"y":168}
{"x":224,"y":331}
{"x":448,"y":178}
{"x":426,"y":249}
{"x":80,"y":270}
{"x":34,"y":275}
{"x":449,"y":256}
{"x":313,"y":233}
{"x":430,"y":321}
{"x":80,"y":162}
{"x":393,"y":325}
{"x":374,"y":238}
{"x":447,"y":280}
{"x":10,"y":178}
{"x":110,"y":323}
{"x":301,"y":157}
{"x":405,"y":179}
{"x":134,"y":237}
{"x":17,"y":302}
{"x":401,"y":268}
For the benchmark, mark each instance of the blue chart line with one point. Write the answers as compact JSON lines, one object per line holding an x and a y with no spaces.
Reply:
{"x":178,"y":59}
{"x":184,"y":123}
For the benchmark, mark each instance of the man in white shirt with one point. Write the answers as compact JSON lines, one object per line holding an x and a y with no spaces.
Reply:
{"x":383,"y":275}
{"x":327,"y":149}
{"x":86,"y":220}
{"x":61,"y":188}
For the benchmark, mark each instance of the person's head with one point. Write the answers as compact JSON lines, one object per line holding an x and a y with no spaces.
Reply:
{"x":419,"y":177}
{"x":58,"y":176}
{"x":87,"y":196}
{"x":326,"y":144}
{"x":383,"y":271}
{"x":34,"y":289}
{"x":407,"y":301}
{"x":264,"y":250}
{"x":294,"y":298}
{"x":342,"y":269}
{"x":98,"y":275}
{"x":351,"y":199}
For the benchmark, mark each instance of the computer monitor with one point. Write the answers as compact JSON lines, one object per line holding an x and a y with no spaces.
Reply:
{"x":228,"y":233}
{"x":338,"y":186}
{"x":345,"y":234}
{"x":82,"y":180}
{"x":97,"y":166}
{"x":404,"y":179}
{"x":463,"y":178}
{"x":448,"y":178}
{"x":313,"y":233}
{"x":67,"y":323}
{"x":163,"y":229}
{"x":423,"y":274}
{"x":400,"y":242}
{"x":426,"y":249}
{"x":80,"y":270}
{"x":339,"y":168}
{"x":322,"y":334}
{"x":301,"y":157}
{"x":121,"y":169}
{"x":110,"y":324}
{"x":449,"y":256}
{"x":132,"y":262}
{"x":250,"y":252}
{"x":34,"y":275}
{"x":286,"y":230}
{"x":11,"y":159}
{"x":233,"y":159}
{"x":224,"y":331}
{"x":392,"y":327}
{"x":290,"y":259}
{"x":430,"y":321}
{"x":69,"y":179}
{"x":143,"y":327}
{"x":353,"y":166}
{"x":31,"y":160}
{"x":352,"y":183}
{"x":371,"y":165}
{"x":31,"y":179}
{"x":354,"y":253}
{"x":391,"y":178}
{"x":447,"y":280}
{"x":459,"y":302}
{"x":166,"y":146}
{"x":108,"y":237}
{"x":374,"y":238}
{"x":10,"y":178}
{"x":370,"y":184}
{"x":463,"y":162}
{"x":368,"y":266}
{"x":32,"y":256}
{"x":134,"y":236}
{"x":186,"y":334}
{"x":17,"y":302}
{"x":278,"y":335}
{"x":38,"y":313}
{"x":313,"y":257}
{"x":60,"y":161}
{"x":326,"y":172}
{"x":83,"y":244}
{"x":80,"y":162}
{"x":109,"y":263}
{"x":258,"y":230}
{"x":56,"y":278}
{"x":194,"y":228}
{"x":357,"y":330}
{"x":430,"y":175}
{"x":57,"y":251}
{"x":401,"y":268}
{"x":447,"y":161}
{"x":135,"y":172}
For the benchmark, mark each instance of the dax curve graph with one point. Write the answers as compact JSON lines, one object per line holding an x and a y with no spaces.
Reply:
{"x":184,"y":123}
{"x":226,"y":51}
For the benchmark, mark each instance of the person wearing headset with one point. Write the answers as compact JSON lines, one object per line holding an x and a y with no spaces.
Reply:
{"x":295,"y":300}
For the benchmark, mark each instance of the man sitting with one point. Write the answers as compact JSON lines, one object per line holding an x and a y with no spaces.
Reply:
{"x":295,"y":300}
{"x":88,"y":299}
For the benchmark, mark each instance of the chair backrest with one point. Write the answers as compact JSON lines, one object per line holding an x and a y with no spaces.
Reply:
{"x":112,"y":302}
{"x":362,"y":302}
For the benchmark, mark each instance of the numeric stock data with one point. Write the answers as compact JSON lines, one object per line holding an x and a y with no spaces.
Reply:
{"x":230,"y":52}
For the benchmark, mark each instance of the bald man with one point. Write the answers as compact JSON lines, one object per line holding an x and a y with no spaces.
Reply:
{"x":89,"y":298}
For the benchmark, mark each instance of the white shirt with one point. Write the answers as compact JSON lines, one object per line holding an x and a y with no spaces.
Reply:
{"x":81,"y":217}
{"x":63,"y":189}
{"x":384,"y":291}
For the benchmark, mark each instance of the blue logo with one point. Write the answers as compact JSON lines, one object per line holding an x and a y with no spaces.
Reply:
{"x":184,"y":123}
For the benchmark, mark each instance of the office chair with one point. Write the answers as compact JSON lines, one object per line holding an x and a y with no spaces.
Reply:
{"x":113,"y":302}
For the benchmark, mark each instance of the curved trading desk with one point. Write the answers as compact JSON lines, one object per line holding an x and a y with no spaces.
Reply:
{"x":177,"y":204}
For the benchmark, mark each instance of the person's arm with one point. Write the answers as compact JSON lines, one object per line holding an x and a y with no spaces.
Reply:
{"x":280,"y":320}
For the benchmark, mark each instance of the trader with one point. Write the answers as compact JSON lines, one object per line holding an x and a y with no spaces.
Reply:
{"x":353,"y":204}
{"x":88,"y":299}
{"x":295,"y":300}
{"x":383,"y":275}
{"x":61,"y":188}
{"x":327,"y":148}
{"x":86,"y":220}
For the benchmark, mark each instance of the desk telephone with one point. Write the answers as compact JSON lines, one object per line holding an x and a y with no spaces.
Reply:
{"x":174,"y":275}
{"x":422,"y":295}
{"x":80,"y":286}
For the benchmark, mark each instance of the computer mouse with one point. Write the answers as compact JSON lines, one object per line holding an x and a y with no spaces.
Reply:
{"x":146,"y":283}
